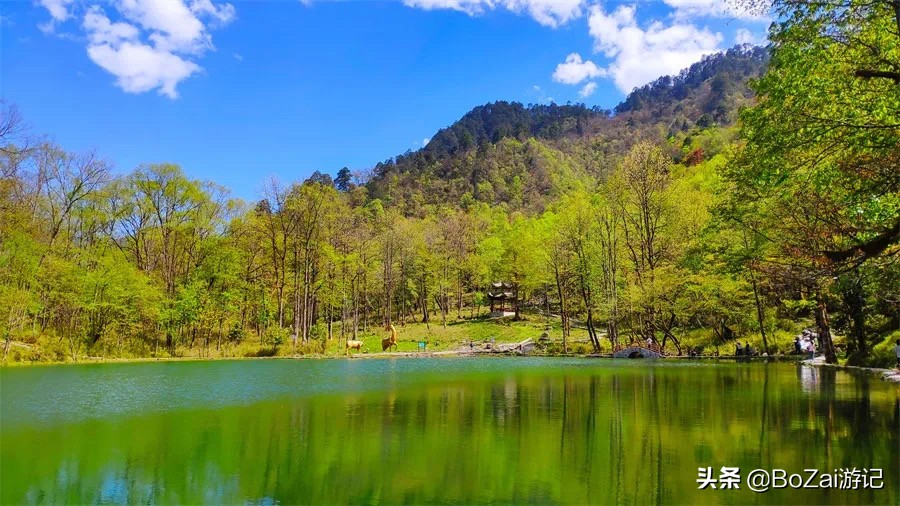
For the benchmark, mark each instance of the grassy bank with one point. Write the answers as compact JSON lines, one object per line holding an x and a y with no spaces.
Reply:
{"x":454,"y":335}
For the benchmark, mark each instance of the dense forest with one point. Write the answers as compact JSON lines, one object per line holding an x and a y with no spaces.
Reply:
{"x":752,"y":195}
{"x":527,"y":156}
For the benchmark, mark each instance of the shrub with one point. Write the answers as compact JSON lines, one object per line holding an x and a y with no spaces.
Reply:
{"x":276,"y":336}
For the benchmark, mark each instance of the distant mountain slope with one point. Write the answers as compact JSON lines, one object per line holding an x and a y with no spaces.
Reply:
{"x":506,"y":153}
{"x":501,"y":120}
{"x":716,"y":86}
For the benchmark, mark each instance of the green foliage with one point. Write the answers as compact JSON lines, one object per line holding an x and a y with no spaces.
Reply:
{"x":665,"y":221}
{"x":526,"y":157}
{"x":823,"y":145}
{"x":816,"y":181}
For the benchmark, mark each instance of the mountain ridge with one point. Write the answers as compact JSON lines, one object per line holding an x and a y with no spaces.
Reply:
{"x":509,"y":153}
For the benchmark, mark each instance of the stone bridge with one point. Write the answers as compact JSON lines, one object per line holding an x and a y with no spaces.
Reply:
{"x":636,"y":352}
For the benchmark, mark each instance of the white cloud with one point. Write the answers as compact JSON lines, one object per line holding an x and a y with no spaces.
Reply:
{"x":172,"y":25}
{"x":551,"y":13}
{"x":641,"y":55}
{"x":548,"y":12}
{"x":470,"y":7}
{"x":102,"y":31}
{"x":59,"y":12}
{"x":238,"y":56}
{"x":426,"y":140}
{"x":223,"y":13}
{"x":540,"y":94}
{"x":744,"y":36}
{"x":686,"y":9}
{"x":575,"y":70}
{"x":58,"y":9}
{"x":588,"y":90}
{"x":153,"y":43}
{"x":139,"y":67}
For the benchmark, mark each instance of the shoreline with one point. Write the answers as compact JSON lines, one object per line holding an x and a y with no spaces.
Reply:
{"x":386,"y":355}
{"x":889,"y":375}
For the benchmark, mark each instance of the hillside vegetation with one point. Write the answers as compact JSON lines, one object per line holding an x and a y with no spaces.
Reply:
{"x":751,"y":196}
{"x":523,"y":157}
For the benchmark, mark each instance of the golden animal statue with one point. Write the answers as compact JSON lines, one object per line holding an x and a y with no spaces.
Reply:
{"x":351,"y":344}
{"x":387,"y":342}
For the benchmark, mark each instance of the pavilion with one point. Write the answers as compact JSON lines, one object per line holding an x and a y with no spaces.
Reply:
{"x":499,"y":293}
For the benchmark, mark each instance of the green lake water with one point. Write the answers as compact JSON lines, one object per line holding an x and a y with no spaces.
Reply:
{"x":454,"y":430}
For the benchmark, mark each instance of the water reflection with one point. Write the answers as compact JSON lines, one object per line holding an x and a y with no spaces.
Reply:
{"x":604,"y":434}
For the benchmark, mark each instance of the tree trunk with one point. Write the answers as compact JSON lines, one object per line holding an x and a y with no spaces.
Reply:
{"x":759,"y":311}
{"x":591,"y":332}
{"x":586,"y":296}
{"x":824,"y":330}
{"x":562,"y":310}
{"x":280,"y":305}
{"x":356,"y":308}
{"x":667,"y":334}
{"x":424,"y":302}
{"x":459,"y":295}
{"x":307,"y":296}
{"x":516,"y":300}
{"x":296,"y":329}
{"x":854,"y":300}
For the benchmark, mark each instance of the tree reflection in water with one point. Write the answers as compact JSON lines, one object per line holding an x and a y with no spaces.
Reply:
{"x":604,"y":434}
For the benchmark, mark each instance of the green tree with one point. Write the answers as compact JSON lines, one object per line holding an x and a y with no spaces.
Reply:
{"x":823,"y":145}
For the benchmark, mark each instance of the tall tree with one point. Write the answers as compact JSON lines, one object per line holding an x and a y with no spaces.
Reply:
{"x":645,"y":211}
{"x":823,"y":145}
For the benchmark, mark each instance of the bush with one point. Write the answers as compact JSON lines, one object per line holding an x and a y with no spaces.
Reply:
{"x":263,"y":351}
{"x":236,"y":334}
{"x":882,"y":354}
{"x":318,"y":332}
{"x":312,"y":348}
{"x":581,"y":348}
{"x":276,"y":336}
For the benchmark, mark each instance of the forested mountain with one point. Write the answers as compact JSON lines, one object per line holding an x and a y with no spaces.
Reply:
{"x":716,"y":85}
{"x":524,"y":155}
{"x":664,"y":220}
{"x":491,"y":123}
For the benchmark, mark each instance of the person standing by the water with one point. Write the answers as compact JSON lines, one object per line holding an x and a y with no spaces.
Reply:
{"x":897,"y":352}
{"x":797,"y":345}
{"x":747,"y":350}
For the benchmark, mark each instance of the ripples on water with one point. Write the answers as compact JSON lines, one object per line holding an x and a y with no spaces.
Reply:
{"x":506,"y":430}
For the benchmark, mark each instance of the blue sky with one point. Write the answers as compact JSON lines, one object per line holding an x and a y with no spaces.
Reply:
{"x":236,"y":92}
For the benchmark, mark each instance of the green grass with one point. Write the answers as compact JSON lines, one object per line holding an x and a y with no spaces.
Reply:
{"x":882,"y":354}
{"x":457,"y":333}
{"x":781,"y":341}
{"x":454,"y":335}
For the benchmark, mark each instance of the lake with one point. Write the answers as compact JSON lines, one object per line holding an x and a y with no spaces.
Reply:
{"x":428,"y":430}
